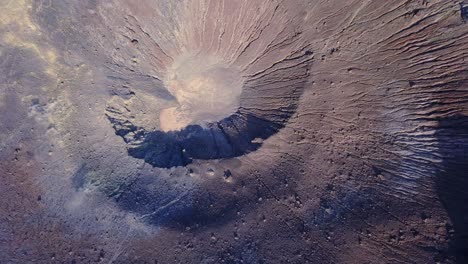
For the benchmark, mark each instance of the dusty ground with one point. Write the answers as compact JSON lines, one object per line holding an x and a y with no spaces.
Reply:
{"x":325,"y":131}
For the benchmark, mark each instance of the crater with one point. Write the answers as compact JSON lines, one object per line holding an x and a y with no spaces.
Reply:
{"x":218,"y":111}
{"x":227,"y":90}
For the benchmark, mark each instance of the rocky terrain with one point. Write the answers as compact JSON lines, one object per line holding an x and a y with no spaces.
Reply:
{"x":234,"y":131}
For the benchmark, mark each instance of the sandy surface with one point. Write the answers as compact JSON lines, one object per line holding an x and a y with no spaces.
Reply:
{"x":233,"y":131}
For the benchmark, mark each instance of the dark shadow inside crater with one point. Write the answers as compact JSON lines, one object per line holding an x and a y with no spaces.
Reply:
{"x":452,"y":181}
{"x":233,"y":136}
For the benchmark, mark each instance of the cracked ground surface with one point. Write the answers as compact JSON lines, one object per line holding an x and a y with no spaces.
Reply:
{"x":233,"y":131}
